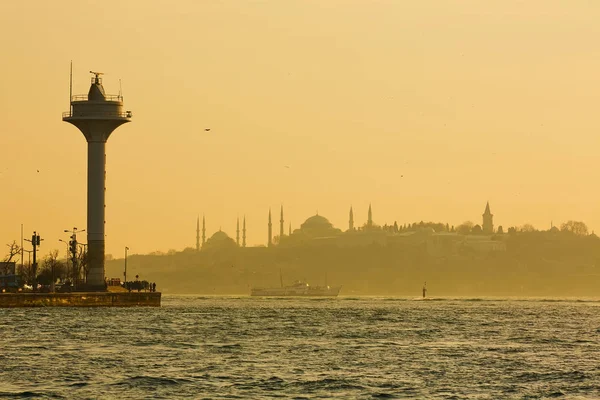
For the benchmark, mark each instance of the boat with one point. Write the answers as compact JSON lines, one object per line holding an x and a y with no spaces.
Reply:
{"x":297,"y":289}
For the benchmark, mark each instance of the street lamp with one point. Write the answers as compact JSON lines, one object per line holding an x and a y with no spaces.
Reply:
{"x":125,"y":273}
{"x":73,"y":232}
{"x":35,"y":241}
{"x":29,"y":252}
{"x":73,"y":243}
{"x":67,"y":243}
{"x":67,"y":253}
{"x":29,"y":265}
{"x":83,"y":258}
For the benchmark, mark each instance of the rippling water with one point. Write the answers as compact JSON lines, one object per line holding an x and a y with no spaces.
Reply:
{"x":227,"y":347}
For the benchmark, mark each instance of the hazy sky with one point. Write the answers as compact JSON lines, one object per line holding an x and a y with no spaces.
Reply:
{"x":426,"y":109}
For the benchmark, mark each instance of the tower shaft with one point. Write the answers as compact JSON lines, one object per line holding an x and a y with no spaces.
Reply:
{"x":96,"y":212}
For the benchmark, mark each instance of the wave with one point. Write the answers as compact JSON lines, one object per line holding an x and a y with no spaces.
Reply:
{"x":145,"y":381}
{"x":383,"y":396}
{"x":79,"y":384}
{"x":30,"y":395}
{"x":330,"y":384}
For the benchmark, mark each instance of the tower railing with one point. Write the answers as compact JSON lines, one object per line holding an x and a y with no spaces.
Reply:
{"x":108,"y":97}
{"x":104,"y":114}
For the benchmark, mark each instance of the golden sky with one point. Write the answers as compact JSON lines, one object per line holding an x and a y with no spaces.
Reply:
{"x":426,"y":109}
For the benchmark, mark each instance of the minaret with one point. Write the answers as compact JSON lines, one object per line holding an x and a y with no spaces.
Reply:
{"x":237,"y":232}
{"x":370,"y":217}
{"x":270,"y":242}
{"x":290,"y":231}
{"x":488,"y":220}
{"x":351,"y":220}
{"x":203,"y":231}
{"x":281,"y":225}
{"x":96,"y":115}
{"x":198,"y":233}
{"x":244,"y":233}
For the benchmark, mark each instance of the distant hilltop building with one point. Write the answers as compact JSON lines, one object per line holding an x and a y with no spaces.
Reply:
{"x":488,"y":220}
{"x":317,"y":230}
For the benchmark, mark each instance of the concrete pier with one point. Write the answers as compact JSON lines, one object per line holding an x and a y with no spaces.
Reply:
{"x":80,"y":299}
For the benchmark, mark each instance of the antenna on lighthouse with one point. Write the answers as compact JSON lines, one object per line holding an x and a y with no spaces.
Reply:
{"x":71,"y":87}
{"x":120,"y":90}
{"x":97,"y":80}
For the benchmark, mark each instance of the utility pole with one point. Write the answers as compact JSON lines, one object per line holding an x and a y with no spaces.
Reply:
{"x":35,"y":241}
{"x":29,"y":264}
{"x":66,"y":253}
{"x":73,"y":250}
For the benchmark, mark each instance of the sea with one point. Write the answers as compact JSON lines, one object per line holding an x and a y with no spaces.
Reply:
{"x":210,"y":347}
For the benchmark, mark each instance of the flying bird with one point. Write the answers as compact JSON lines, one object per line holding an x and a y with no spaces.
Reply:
{"x":207,"y":129}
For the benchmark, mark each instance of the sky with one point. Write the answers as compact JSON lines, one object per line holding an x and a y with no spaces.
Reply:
{"x":425,"y":109}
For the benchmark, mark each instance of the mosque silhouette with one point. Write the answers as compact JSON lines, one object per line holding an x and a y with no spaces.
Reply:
{"x":317,"y":230}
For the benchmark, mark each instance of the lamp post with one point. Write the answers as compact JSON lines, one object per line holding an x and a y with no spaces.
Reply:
{"x":67,"y":253}
{"x":73,"y":248}
{"x":125,"y":273}
{"x":29,"y":252}
{"x":35,"y":241}
{"x":28,"y":265}
{"x":83,"y":258}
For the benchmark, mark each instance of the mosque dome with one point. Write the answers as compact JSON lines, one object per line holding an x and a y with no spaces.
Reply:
{"x":317,"y":226}
{"x":316,"y":222}
{"x":219,"y":240}
{"x":219,"y":235}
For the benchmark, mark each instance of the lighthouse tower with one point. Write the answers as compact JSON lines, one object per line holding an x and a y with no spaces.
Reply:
{"x":96,"y":115}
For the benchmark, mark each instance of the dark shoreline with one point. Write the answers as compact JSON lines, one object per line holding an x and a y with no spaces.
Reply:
{"x":81,"y":299}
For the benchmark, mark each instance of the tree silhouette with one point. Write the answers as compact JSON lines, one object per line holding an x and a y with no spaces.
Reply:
{"x":465,"y":228}
{"x":575,"y":227}
{"x":527,"y":228}
{"x":13,"y":250}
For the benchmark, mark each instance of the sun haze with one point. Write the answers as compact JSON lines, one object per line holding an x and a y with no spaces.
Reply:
{"x":424,"y":109}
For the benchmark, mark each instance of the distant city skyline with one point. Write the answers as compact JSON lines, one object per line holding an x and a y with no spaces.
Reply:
{"x":486,"y":225}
